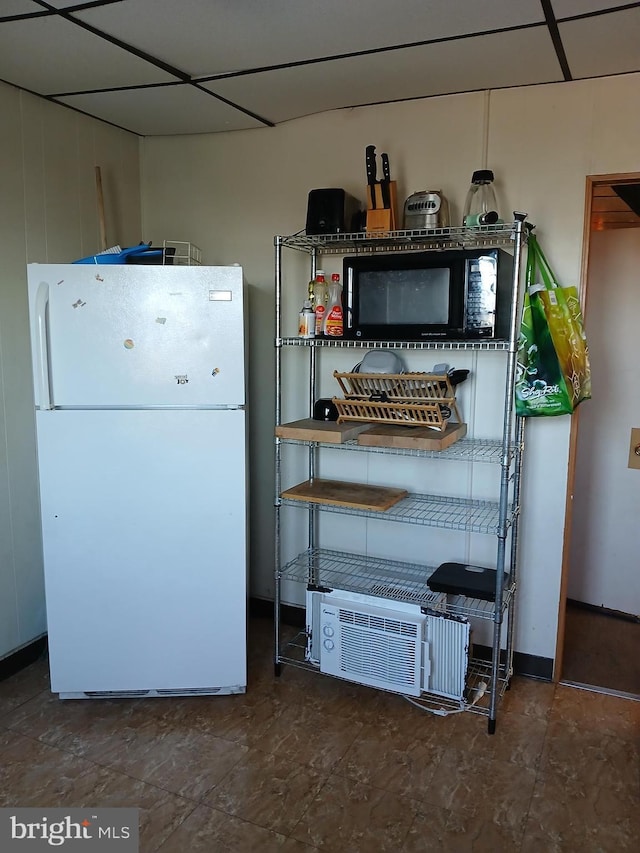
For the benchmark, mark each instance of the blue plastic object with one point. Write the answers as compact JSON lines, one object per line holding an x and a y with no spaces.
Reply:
{"x":139,"y":253}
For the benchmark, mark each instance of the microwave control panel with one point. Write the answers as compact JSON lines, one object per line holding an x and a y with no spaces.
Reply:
{"x":480,"y":303}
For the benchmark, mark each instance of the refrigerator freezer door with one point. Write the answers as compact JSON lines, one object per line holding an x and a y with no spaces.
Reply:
{"x":144,"y":531}
{"x":118,"y":335}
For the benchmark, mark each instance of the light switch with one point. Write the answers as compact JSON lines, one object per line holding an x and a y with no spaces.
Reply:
{"x":634,"y":448}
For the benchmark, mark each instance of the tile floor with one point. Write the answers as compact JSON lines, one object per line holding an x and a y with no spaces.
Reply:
{"x":306,"y":762}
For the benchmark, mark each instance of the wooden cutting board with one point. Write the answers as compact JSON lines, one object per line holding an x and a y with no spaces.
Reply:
{"x":329,"y":432}
{"x":411,"y":438}
{"x":357,"y":495}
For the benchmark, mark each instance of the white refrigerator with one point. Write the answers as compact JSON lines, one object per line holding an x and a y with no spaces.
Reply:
{"x":139,"y":379}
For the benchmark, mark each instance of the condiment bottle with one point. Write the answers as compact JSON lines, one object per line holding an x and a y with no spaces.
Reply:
{"x":333,"y":320}
{"x":307,"y":321}
{"x":480,"y":206}
{"x":321,"y":297}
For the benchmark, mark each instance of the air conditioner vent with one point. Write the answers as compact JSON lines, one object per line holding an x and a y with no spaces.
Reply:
{"x":421,"y":596}
{"x":378,"y":623}
{"x":379,"y":657}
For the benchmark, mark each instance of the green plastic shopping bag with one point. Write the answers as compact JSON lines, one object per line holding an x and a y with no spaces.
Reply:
{"x":553,"y":374}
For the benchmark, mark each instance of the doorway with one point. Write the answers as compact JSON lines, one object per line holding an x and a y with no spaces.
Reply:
{"x":599,"y":624}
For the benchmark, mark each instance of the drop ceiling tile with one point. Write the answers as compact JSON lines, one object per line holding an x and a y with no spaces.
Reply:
{"x":162,"y":110}
{"x":568,"y":8}
{"x":204,"y":38}
{"x":64,"y":5}
{"x":48,"y":55}
{"x":608,"y":44}
{"x":18,"y":7}
{"x":484,"y":62}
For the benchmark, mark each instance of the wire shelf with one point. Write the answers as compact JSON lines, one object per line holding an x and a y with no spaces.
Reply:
{"x":390,"y":580}
{"x":344,"y":343}
{"x":478,"y":672}
{"x":417,"y":239}
{"x":381,"y":578}
{"x":294,"y":650}
{"x":475,"y":516}
{"x":464,"y":450}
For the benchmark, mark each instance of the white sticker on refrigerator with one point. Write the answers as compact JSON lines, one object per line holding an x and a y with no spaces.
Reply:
{"x":220,"y":296}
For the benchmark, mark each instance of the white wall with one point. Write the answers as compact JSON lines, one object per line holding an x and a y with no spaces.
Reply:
{"x":230,"y":193}
{"x":605,"y":541}
{"x":48,"y":213}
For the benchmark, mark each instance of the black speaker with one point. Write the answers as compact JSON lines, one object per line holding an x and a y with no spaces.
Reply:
{"x":332,"y":211}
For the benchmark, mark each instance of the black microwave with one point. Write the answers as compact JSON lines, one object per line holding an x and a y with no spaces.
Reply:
{"x":457,"y":294}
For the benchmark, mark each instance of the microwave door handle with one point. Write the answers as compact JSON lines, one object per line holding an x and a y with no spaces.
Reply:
{"x":348,"y":301}
{"x":42,"y":347}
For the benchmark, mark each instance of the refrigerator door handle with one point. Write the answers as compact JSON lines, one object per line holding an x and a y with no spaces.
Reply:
{"x":42,"y":345}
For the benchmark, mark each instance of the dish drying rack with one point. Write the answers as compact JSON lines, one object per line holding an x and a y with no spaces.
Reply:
{"x":180,"y":253}
{"x":408,"y":399}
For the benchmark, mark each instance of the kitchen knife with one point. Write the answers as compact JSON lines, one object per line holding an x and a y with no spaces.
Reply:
{"x":370,"y":152}
{"x":386,"y":173}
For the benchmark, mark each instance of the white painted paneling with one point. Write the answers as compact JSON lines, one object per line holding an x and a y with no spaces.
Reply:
{"x":12,"y":335}
{"x":124,"y":189}
{"x":605,"y":541}
{"x":46,"y":170}
{"x":615,"y":126}
{"x":87,"y":192}
{"x":29,"y":116}
{"x":541,"y":149}
{"x":9,"y":628}
{"x":61,"y":186}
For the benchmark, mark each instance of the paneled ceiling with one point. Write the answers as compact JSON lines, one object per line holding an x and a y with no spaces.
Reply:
{"x":200,"y":66}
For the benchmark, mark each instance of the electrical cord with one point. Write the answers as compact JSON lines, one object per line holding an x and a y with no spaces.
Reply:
{"x":479,"y":692}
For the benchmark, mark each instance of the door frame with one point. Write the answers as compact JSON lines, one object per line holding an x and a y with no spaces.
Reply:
{"x":592,"y":182}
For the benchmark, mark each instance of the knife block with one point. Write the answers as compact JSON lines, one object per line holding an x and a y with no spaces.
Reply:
{"x":381,"y":218}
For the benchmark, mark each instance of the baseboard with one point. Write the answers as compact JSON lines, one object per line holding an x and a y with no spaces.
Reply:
{"x":22,"y":658}
{"x":603,"y":611}
{"x":532,"y":666}
{"x":289,"y":613}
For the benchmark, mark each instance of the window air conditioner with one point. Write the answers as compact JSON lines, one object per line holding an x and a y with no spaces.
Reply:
{"x":387,"y":644}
